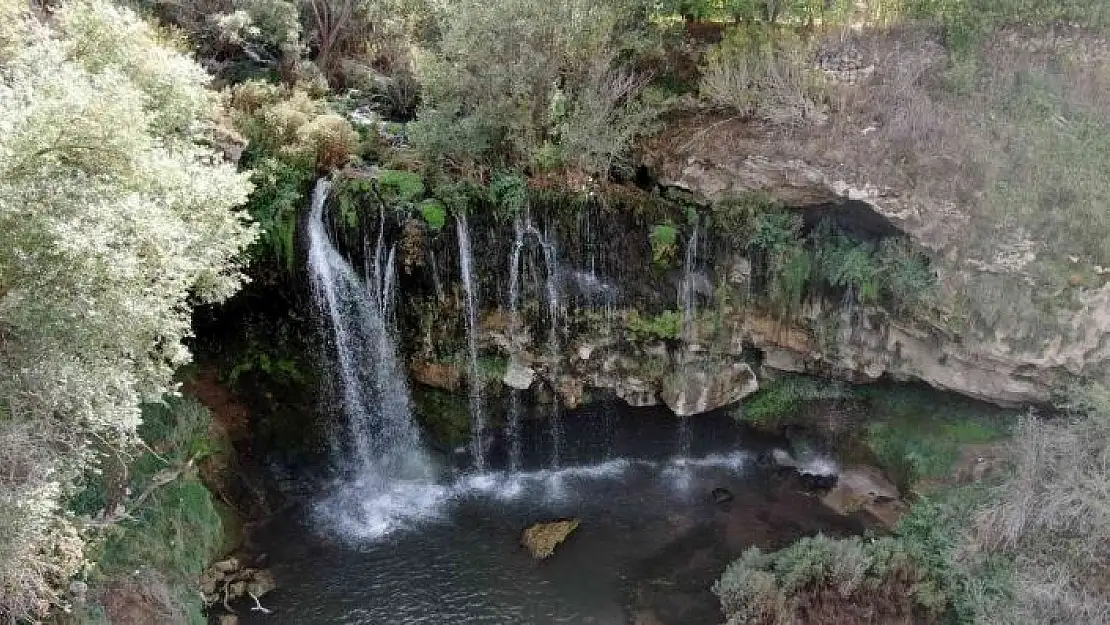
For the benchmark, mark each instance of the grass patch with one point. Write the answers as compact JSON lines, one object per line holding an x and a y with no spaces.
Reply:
{"x":917,"y":433}
{"x":782,"y":399}
{"x":169,"y":537}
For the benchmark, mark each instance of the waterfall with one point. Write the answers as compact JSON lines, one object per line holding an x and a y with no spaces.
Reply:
{"x":391,"y":477}
{"x":688,"y":301}
{"x":512,"y":427}
{"x":554,"y":354}
{"x":474,"y":381}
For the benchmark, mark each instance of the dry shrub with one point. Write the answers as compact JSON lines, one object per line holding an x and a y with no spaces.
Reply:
{"x":141,"y":599}
{"x":39,"y":550}
{"x":330,"y":138}
{"x":294,"y":125}
{"x":821,"y":580}
{"x":764,"y":74}
{"x":1053,"y":516}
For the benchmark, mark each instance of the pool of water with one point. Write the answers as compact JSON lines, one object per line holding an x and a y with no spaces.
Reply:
{"x":651,"y":540}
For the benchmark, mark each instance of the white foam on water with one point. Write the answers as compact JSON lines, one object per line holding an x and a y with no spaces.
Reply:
{"x":818,"y":465}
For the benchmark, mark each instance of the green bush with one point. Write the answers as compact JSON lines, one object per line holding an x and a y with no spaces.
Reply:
{"x":847,"y":265}
{"x":173,"y":532}
{"x":664,"y":248}
{"x":967,"y":21}
{"x":784,"y":397}
{"x":525,"y":82}
{"x":666,"y":325}
{"x":919,"y":574}
{"x":401,"y":186}
{"x":434,"y":213}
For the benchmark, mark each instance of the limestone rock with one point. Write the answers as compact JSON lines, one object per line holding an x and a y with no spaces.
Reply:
{"x":437,"y":375}
{"x":866,"y":489}
{"x":261,"y":582}
{"x":585,"y":351}
{"x":570,"y":391}
{"x":701,"y":387}
{"x":542,"y":538}
{"x":226,"y":567}
{"x":518,"y":375}
{"x":636,"y":392}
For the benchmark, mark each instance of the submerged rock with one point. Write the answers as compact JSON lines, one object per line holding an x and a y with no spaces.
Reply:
{"x":721,"y":495}
{"x":542,"y":538}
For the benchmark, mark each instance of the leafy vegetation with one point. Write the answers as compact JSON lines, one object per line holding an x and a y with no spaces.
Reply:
{"x":918,"y":573}
{"x":917,"y":434}
{"x":1022,"y":547}
{"x":785,"y":396}
{"x":667,"y":325}
{"x":169,"y":537}
{"x":115,"y":220}
{"x":765,"y":74}
{"x":664,"y":244}
{"x":487,"y":103}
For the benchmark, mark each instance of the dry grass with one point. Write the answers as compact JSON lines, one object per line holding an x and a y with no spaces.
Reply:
{"x":999,"y":152}
{"x":1053,"y":518}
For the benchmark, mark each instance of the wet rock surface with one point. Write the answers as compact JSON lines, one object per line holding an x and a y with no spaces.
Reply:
{"x":866,"y":489}
{"x":542,"y":538}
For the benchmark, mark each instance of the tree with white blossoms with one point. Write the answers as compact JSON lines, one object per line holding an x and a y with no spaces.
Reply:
{"x":115,"y":220}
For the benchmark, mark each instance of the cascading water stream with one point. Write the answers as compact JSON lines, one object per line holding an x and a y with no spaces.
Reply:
{"x":512,"y":428}
{"x":551,"y":265}
{"x":474,"y":381}
{"x":388,"y":477}
{"x":688,"y":301}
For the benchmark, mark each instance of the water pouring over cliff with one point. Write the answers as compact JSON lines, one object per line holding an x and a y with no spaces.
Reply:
{"x":387,"y":479}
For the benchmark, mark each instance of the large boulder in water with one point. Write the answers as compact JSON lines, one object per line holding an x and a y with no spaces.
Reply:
{"x":701,"y":387}
{"x":542,"y":538}
{"x":866,"y":489}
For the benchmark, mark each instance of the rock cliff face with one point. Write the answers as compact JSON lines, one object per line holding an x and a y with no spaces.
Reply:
{"x":1009,"y":364}
{"x":1011,"y":319}
{"x":596,"y":351}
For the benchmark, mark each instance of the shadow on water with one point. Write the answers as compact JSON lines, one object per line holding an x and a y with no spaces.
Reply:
{"x":650,"y":544}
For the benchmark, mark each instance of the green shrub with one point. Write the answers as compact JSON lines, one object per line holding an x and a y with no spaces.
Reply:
{"x":904,"y":276}
{"x":847,"y":265}
{"x":434,"y":213}
{"x":664,"y":246}
{"x":174,"y":531}
{"x":509,"y":191}
{"x":919,"y":574}
{"x":967,"y":21}
{"x":776,"y":241}
{"x":666,"y":325}
{"x":401,"y":186}
{"x":784,"y":397}
{"x":490,"y":94}
{"x":776,"y":588}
